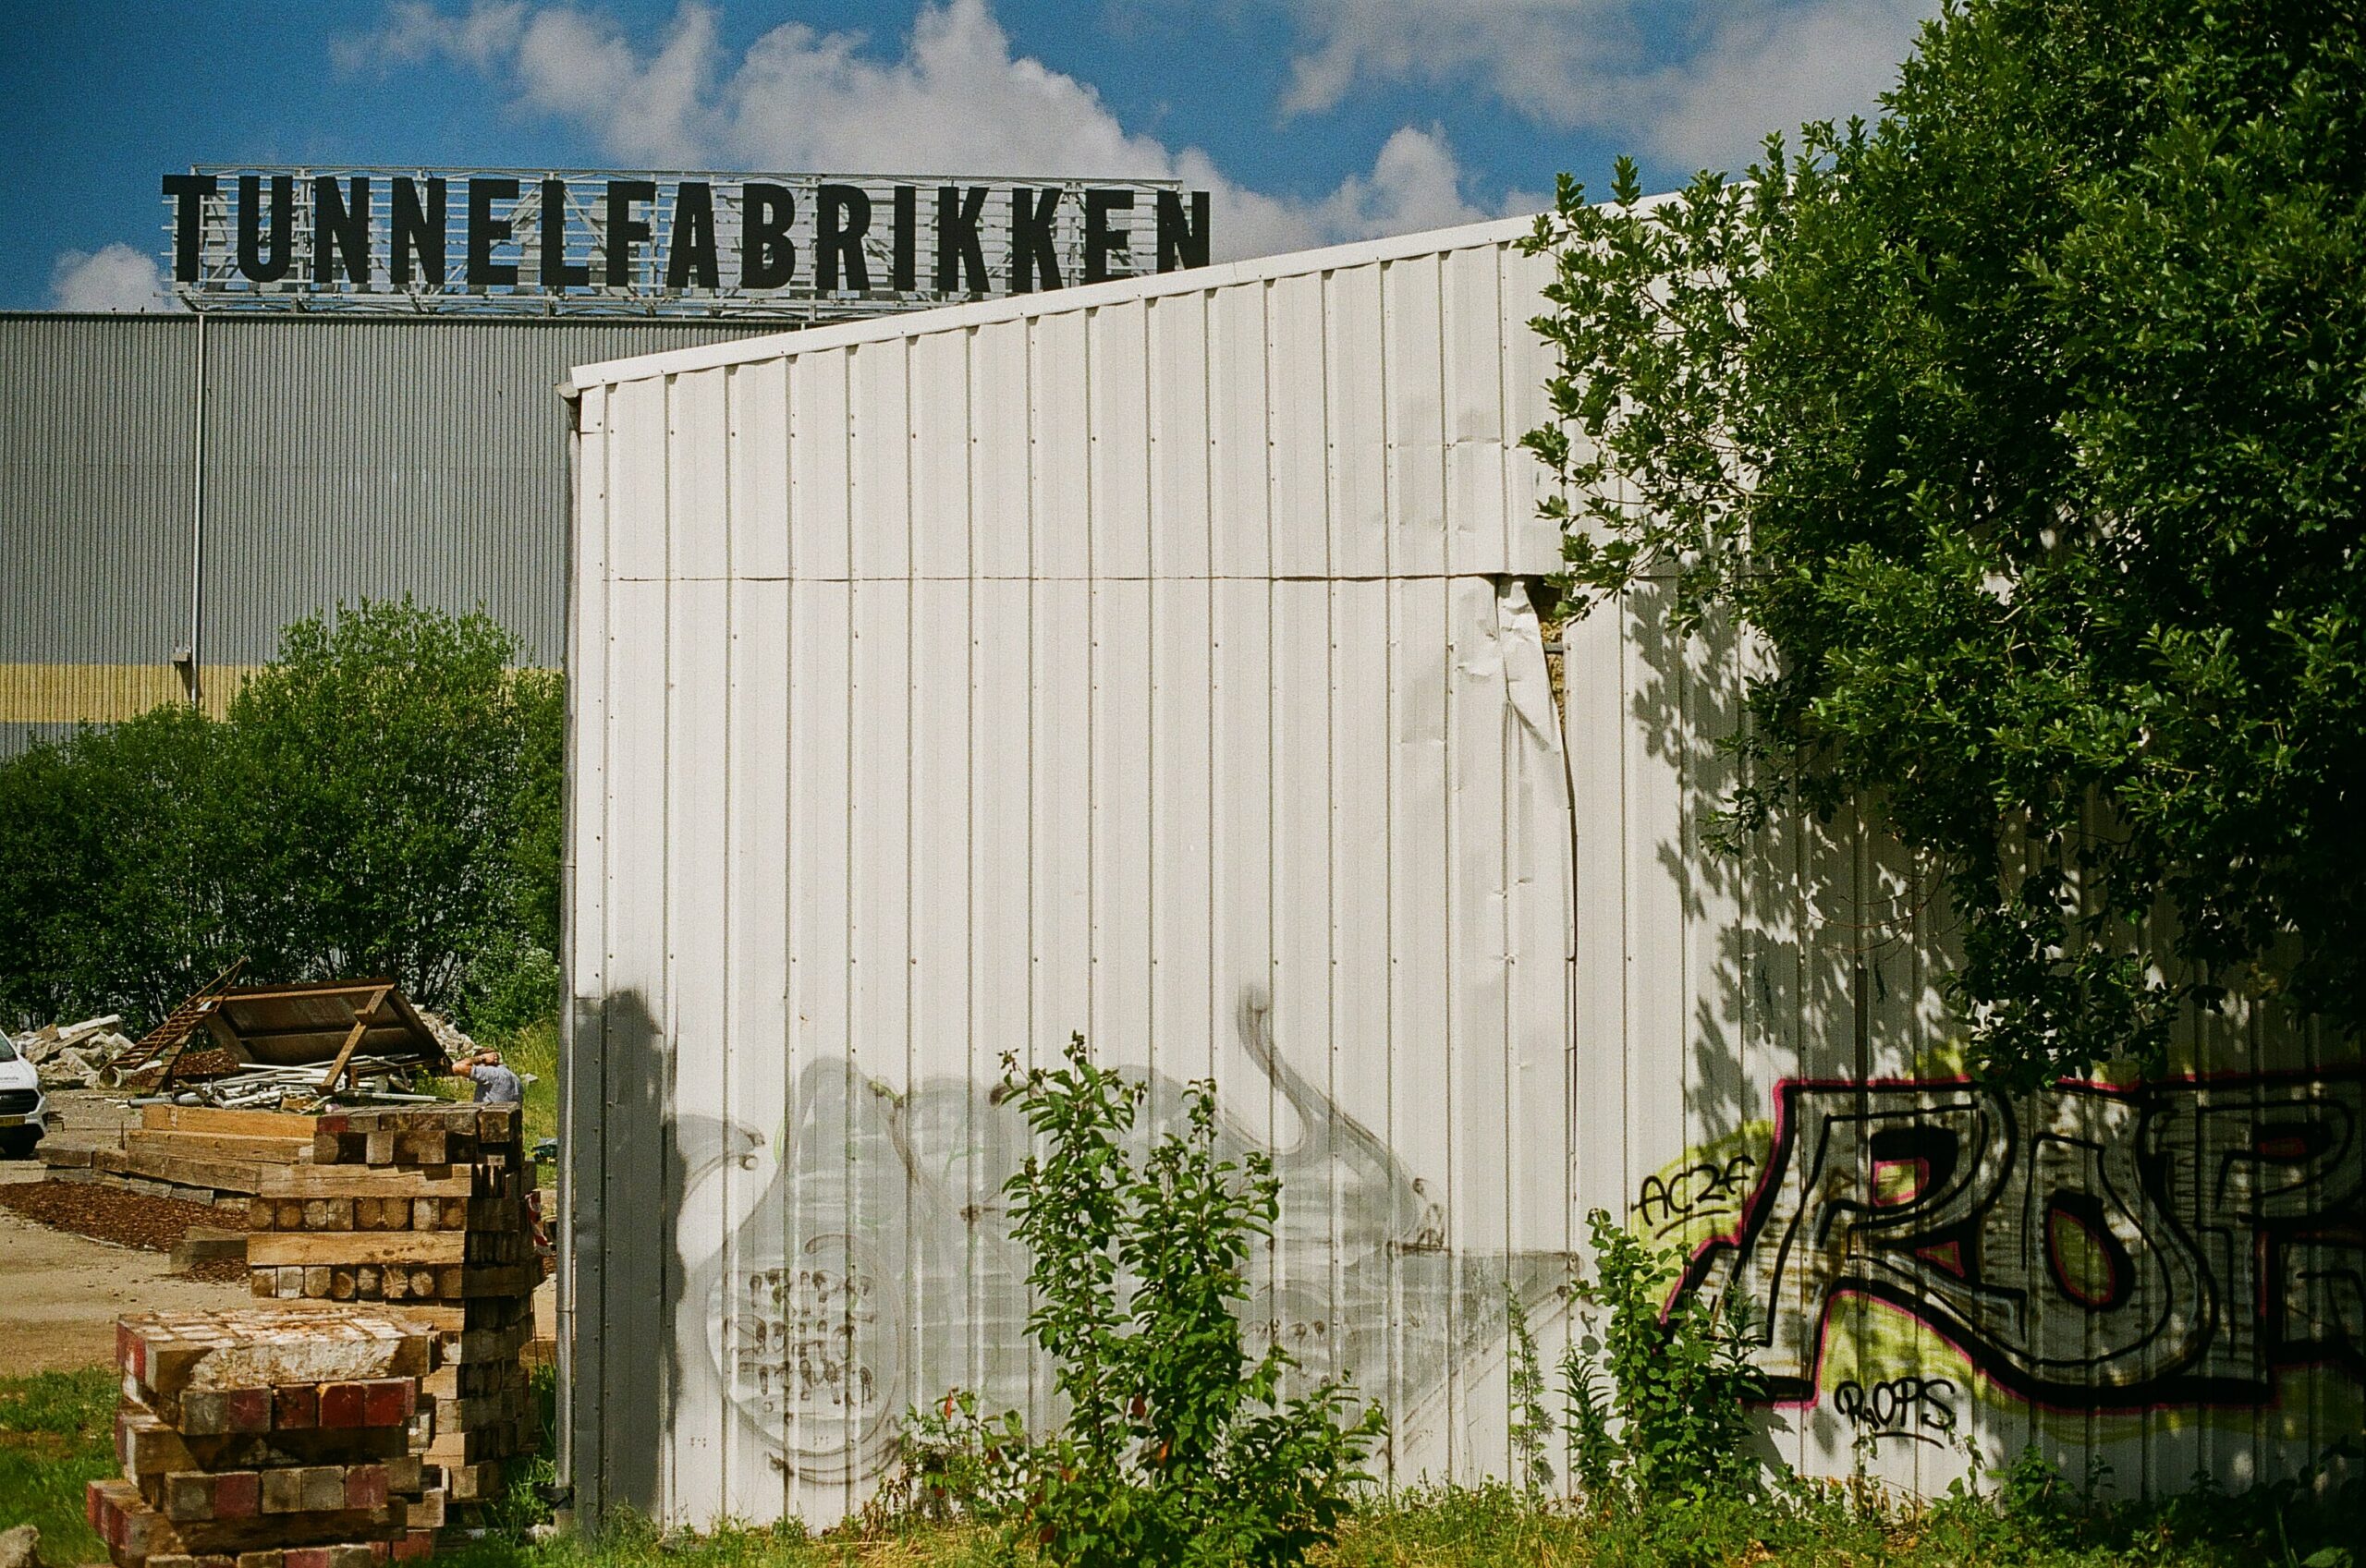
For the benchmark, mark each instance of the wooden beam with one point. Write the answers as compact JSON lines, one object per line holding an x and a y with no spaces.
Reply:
{"x":362,"y":1017}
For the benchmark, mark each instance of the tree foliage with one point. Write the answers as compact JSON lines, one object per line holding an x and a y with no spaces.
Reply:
{"x":2026,"y":427}
{"x":383,"y":798}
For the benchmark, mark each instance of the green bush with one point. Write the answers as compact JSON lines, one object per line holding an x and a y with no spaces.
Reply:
{"x":1680,"y":1381}
{"x":1179,"y":1447}
{"x":384,"y":798}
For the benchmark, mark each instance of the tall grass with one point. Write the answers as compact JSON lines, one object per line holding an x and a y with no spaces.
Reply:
{"x":56,"y":1436}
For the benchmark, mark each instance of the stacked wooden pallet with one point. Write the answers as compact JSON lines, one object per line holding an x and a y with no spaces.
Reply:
{"x":423,"y":1208}
{"x":191,"y":1152}
{"x":271,"y":1438}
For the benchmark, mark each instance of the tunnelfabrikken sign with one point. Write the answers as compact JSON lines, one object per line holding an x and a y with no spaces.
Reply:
{"x":513,"y":241}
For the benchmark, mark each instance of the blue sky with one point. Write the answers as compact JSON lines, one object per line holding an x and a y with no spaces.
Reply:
{"x":1313,"y":120}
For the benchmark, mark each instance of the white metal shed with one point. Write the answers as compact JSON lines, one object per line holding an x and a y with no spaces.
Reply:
{"x":1158,"y":660}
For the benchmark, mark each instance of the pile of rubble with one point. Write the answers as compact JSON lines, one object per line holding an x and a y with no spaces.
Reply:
{"x":75,"y":1055}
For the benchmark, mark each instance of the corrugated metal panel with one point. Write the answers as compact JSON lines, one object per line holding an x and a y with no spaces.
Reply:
{"x":353,"y":457}
{"x":951,"y":690}
{"x":343,"y":458}
{"x":1157,"y":665}
{"x":96,"y":465}
{"x":1768,"y":1076}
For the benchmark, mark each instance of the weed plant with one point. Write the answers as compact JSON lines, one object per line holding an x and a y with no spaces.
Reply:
{"x":1179,"y":1446}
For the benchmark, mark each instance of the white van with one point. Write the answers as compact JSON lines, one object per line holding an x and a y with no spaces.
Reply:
{"x":24,"y":1114}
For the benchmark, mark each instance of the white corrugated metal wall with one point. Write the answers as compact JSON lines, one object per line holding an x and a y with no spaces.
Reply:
{"x":1153,"y":660}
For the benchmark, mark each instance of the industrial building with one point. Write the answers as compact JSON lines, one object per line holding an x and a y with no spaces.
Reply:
{"x":174,"y":489}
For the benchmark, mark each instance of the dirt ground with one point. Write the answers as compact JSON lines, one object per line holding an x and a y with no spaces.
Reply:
{"x":60,"y":1294}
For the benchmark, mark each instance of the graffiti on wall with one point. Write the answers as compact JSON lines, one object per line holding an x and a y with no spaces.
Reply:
{"x":2087,"y":1246}
{"x":879,"y":1269}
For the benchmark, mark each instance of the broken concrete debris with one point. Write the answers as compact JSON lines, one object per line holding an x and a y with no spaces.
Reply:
{"x":73,"y":1056}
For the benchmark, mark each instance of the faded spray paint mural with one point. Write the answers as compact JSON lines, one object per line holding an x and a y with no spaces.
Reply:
{"x":883,"y":1196}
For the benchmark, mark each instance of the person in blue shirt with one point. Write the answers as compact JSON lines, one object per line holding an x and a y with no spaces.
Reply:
{"x":496,"y":1085}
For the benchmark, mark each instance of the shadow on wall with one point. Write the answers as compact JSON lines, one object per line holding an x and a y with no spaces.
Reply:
{"x":880,"y":1269}
{"x":626,"y":1363}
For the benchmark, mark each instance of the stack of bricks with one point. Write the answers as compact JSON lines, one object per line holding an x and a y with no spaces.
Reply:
{"x":273,"y":1438}
{"x":424,"y":1209}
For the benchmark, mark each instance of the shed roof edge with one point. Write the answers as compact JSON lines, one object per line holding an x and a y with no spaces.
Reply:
{"x":948,"y":318}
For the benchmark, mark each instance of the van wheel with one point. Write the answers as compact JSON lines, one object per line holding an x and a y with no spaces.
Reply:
{"x":20,"y":1144}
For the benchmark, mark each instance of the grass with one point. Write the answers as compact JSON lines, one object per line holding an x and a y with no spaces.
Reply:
{"x":56,"y":1434}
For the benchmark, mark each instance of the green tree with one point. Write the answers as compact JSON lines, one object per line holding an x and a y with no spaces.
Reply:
{"x":115,"y":845}
{"x":393,"y":818}
{"x":2027,"y":427}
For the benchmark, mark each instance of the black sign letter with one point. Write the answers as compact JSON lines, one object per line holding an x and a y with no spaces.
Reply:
{"x":767,"y":256}
{"x":283,"y":226}
{"x":1032,"y":256}
{"x":1101,"y":241}
{"x":689,"y":246}
{"x":961,"y":255}
{"x":189,"y":193}
{"x":1181,"y":244}
{"x":418,"y":232}
{"x":486,"y":231}
{"x":557,"y":276}
{"x":624,"y":228}
{"x":340,"y":223}
{"x":908,"y":223}
{"x":837,"y":239}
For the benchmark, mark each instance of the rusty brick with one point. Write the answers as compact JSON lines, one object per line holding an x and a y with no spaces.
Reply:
{"x":343,"y":1404}
{"x":296,"y":1407}
{"x":238,"y":1494}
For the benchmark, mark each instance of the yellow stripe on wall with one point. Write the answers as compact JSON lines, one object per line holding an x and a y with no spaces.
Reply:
{"x":103,"y":693}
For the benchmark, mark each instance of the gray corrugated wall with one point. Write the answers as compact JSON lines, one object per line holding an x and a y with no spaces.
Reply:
{"x":344,"y":457}
{"x":95,"y":439}
{"x":373,"y":457}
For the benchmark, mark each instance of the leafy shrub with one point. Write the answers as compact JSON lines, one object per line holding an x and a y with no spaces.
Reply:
{"x":115,"y":844}
{"x":1679,"y":1381}
{"x":384,"y":798}
{"x":1179,"y":1446}
{"x":384,"y":751}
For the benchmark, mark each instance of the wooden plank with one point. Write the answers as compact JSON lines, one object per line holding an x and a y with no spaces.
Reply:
{"x":245,"y":1147}
{"x":362,"y":1019}
{"x":364,"y":1181}
{"x":206,"y":1119}
{"x":222,"y":1175}
{"x":273,"y":1249}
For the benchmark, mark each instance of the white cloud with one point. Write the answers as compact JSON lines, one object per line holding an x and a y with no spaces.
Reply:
{"x":955,"y":97}
{"x":1692,"y":81}
{"x":113,"y":277}
{"x":416,"y":30}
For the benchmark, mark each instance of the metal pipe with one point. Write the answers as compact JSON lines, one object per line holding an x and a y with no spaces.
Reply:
{"x":196,"y":532}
